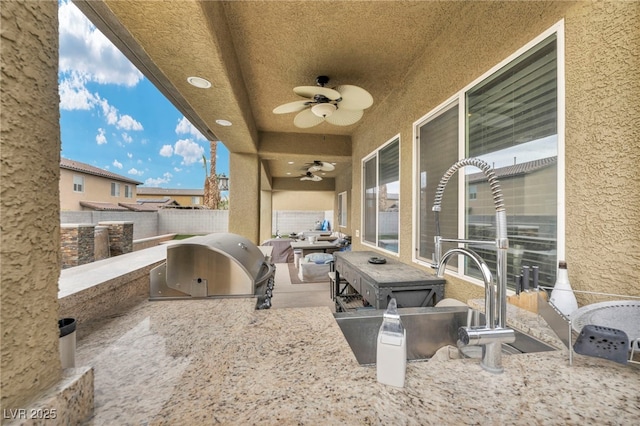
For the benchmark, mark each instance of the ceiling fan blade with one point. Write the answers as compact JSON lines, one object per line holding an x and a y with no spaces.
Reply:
{"x":327,"y":167}
{"x":295,"y":106}
{"x":354,"y":97}
{"x":344,"y":117}
{"x":306,"y":119}
{"x":311,"y":91}
{"x":321,"y":166}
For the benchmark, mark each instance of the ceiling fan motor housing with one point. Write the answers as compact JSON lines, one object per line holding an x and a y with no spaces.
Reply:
{"x":321,"y":80}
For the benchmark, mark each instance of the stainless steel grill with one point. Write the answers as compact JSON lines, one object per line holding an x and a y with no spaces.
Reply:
{"x":215,"y":265}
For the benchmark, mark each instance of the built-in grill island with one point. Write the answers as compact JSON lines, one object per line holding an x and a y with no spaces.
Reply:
{"x":374,"y":279}
{"x":214,"y":266}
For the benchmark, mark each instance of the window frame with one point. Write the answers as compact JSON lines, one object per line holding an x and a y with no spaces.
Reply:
{"x":460,"y":98}
{"x":128,"y":191}
{"x":375,"y":155}
{"x":115,"y":189}
{"x":81,"y":185}
{"x":342,"y":209}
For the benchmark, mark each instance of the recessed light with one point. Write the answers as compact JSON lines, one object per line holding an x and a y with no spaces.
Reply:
{"x":225,"y":123}
{"x":288,"y":173}
{"x":290,"y":162}
{"x":199,"y":82}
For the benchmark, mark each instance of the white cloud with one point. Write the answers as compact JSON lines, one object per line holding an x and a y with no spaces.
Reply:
{"x":126,"y":138}
{"x":166,"y":178}
{"x":117,"y":164}
{"x":128,"y":123}
{"x":74,"y":95}
{"x":189,"y":150}
{"x":134,"y":171}
{"x":109,"y":111}
{"x":86,"y":51}
{"x":155,"y":181}
{"x":185,"y":127}
{"x":166,"y":151}
{"x":101,"y":139}
{"x":177,"y":169}
{"x":130,"y":155}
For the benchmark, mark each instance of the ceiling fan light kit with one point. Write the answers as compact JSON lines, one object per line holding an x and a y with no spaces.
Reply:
{"x":341,"y":106}
{"x":323,"y":110}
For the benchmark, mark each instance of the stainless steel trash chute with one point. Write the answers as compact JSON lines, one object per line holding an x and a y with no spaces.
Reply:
{"x":214,"y":265}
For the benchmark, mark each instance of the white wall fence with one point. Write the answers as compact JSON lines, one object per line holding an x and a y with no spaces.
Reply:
{"x":165,"y":221}
{"x":192,"y":222}
{"x":145,"y":224}
{"x":287,"y":221}
{"x":388,"y":223}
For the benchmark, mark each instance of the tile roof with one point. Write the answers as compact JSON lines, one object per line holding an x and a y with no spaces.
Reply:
{"x":516,"y":169}
{"x":140,"y":207}
{"x":167,"y":191}
{"x":100,"y":206}
{"x":92,"y":170}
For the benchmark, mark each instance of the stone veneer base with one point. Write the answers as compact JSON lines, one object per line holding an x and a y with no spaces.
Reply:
{"x":68,"y":402}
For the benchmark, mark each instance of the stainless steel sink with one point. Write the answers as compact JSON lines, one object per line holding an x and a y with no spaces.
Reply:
{"x":428,"y":329}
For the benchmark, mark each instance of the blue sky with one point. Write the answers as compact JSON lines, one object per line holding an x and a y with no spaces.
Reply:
{"x":112,"y":117}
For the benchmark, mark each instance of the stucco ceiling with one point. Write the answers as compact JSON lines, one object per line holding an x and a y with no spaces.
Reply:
{"x":255,"y":52}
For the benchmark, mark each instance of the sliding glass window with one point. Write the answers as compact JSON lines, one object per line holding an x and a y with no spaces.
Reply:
{"x":510,"y":120}
{"x":381,"y":192}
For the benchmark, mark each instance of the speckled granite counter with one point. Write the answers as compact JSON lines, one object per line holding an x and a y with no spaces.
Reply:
{"x":220,"y":361}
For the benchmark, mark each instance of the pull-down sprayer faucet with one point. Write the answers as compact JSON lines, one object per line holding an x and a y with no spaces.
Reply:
{"x":494,"y":332}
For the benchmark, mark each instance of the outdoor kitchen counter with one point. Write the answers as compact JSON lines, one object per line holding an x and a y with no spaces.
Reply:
{"x":206,"y":361}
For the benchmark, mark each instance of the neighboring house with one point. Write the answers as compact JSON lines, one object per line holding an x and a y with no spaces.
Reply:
{"x":183,"y":197}
{"x":521,"y":186}
{"x":86,"y":187}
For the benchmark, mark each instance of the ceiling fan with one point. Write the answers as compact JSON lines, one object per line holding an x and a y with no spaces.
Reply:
{"x":318,"y":166}
{"x":311,"y":176}
{"x":341,"y":106}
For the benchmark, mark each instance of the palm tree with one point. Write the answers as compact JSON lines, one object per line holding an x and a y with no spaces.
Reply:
{"x":211,"y":190}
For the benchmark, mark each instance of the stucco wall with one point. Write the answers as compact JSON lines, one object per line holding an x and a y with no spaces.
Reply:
{"x":244,"y":204}
{"x":302,"y":200}
{"x":602,"y":113}
{"x":603,"y":146}
{"x":29,"y":199}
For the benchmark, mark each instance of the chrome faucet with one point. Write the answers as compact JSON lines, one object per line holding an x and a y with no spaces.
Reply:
{"x":494,"y":332}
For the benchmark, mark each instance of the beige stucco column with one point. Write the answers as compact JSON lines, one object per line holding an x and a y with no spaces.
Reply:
{"x":29,"y":201}
{"x":31,"y":375}
{"x":244,"y":195}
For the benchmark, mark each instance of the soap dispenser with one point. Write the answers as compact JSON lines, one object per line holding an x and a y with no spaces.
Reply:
{"x":391,"y":353}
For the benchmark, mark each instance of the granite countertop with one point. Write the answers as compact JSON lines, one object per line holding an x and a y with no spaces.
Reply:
{"x":221,"y":361}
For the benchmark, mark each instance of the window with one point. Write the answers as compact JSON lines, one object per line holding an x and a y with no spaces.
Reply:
{"x":115,"y":189}
{"x":437,"y":150}
{"x":128,"y":192}
{"x":195,"y":201}
{"x":381,"y":193}
{"x":78,"y":183}
{"x":342,"y":209}
{"x":510,"y":120}
{"x":473,"y":192}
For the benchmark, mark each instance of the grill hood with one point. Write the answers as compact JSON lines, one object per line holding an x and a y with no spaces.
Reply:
{"x":214,"y":265}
